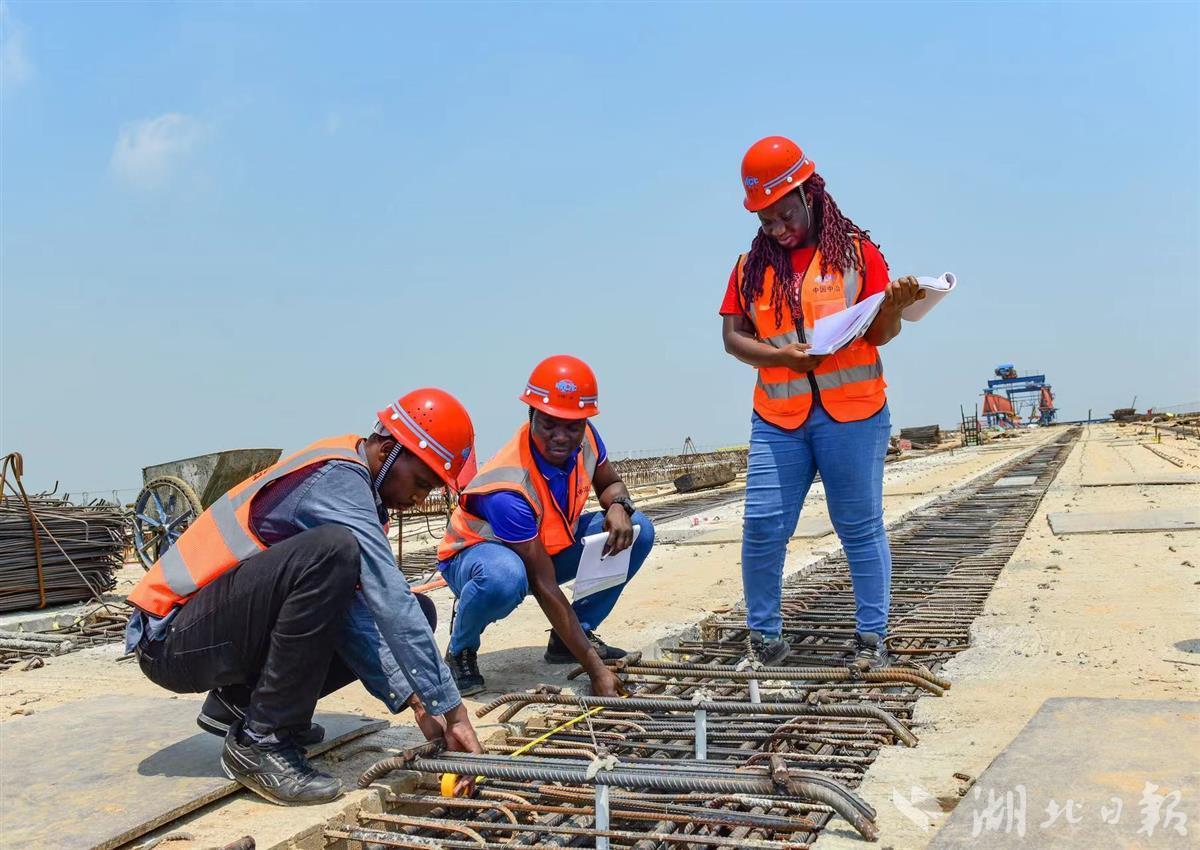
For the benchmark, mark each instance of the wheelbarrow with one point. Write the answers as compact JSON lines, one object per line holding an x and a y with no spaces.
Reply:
{"x":177,"y":492}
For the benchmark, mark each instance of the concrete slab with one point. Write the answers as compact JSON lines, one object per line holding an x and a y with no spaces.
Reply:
{"x":1145,"y":479}
{"x":50,"y":619}
{"x":94,"y":775}
{"x":1016,"y":481}
{"x":1086,"y":773}
{"x":1120,"y":522}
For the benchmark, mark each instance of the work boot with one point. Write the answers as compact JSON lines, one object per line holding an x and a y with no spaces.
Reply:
{"x":764,"y":652}
{"x":557,"y":652}
{"x":464,"y":667}
{"x":221,"y":710}
{"x":870,"y":652}
{"x":277,"y":772}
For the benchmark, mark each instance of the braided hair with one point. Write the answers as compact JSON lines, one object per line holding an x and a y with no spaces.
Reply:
{"x":835,"y":243}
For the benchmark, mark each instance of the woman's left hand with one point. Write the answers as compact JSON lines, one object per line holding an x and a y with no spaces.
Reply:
{"x":902,"y":293}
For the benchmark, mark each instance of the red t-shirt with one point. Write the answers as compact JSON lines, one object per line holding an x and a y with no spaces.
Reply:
{"x":874,"y":280}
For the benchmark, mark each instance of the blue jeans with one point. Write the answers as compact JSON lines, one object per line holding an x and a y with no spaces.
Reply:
{"x":782,"y":465}
{"x":490,"y":582}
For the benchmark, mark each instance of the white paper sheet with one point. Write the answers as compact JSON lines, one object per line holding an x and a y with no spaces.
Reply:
{"x":839,"y":329}
{"x":597,"y":572}
{"x":936,"y":288}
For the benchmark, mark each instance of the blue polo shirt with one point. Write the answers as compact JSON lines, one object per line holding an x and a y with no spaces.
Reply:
{"x":510,"y":514}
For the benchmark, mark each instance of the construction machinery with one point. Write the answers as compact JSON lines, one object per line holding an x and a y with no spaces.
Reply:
{"x":1011,"y":398}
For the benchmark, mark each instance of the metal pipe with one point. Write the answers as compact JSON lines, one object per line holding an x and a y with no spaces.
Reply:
{"x":602,"y":817}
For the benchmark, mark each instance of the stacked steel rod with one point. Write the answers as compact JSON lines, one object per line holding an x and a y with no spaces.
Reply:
{"x":51,"y":551}
{"x":709,"y":752}
{"x":74,"y":555}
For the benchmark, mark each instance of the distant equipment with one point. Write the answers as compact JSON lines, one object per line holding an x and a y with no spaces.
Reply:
{"x":179,"y":491}
{"x":1011,"y":398}
{"x":970,"y":427}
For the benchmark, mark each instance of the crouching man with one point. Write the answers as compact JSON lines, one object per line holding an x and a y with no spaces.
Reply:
{"x":519,"y":527}
{"x":286,"y":589}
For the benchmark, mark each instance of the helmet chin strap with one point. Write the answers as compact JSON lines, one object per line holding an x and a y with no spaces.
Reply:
{"x":387,"y":465}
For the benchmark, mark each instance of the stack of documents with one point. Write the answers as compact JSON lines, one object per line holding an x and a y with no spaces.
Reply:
{"x":842,"y":328}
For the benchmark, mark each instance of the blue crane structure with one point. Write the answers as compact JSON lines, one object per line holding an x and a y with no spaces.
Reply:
{"x":1031,"y":397}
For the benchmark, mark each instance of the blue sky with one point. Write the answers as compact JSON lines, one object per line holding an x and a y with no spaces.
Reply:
{"x":230,"y":225}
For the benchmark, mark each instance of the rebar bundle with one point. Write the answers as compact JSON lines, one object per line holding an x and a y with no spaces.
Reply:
{"x":51,"y":551}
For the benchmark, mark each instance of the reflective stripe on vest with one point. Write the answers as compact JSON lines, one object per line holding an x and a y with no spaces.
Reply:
{"x":176,"y":576}
{"x":851,"y":375}
{"x":513,"y":469}
{"x":786,"y":389}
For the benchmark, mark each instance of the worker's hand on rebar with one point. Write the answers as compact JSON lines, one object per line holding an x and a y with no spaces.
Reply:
{"x":619,"y":525}
{"x":606,"y":684}
{"x":796,"y":357}
{"x":431,"y":725}
{"x":901,"y":293}
{"x":459,"y":735}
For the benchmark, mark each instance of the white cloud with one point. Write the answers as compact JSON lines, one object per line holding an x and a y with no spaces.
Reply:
{"x":15,"y":67}
{"x":148,"y":152}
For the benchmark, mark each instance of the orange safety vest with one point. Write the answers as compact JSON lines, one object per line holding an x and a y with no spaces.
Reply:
{"x":221,"y":537}
{"x":849,"y":381}
{"x":514,"y":469}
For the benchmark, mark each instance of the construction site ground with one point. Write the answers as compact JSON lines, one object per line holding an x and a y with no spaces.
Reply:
{"x":1089,"y":615}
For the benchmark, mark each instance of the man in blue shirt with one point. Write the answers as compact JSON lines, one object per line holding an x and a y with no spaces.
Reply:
{"x":318,"y":603}
{"x":520,"y":524}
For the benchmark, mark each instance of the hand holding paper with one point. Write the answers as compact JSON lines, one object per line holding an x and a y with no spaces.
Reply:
{"x":936,"y":288}
{"x":598,"y":571}
{"x":842,"y":328}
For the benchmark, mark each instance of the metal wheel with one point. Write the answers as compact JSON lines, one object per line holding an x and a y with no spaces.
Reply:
{"x":163,"y":511}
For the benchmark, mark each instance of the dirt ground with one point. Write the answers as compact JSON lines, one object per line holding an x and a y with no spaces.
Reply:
{"x":1086,"y":615}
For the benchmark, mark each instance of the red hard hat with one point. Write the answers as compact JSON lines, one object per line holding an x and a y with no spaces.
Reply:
{"x":563,"y":386}
{"x":433,"y":425}
{"x":771,"y":168}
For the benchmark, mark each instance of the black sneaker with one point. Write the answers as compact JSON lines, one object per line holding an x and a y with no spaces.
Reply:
{"x":464,"y":667}
{"x":761,"y":652}
{"x":870,"y":652}
{"x":277,"y":772}
{"x":557,"y":652}
{"x":221,"y":710}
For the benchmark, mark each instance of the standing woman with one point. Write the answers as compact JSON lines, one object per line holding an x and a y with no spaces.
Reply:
{"x":812,"y":413}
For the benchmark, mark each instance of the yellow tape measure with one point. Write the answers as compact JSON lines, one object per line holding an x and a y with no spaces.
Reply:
{"x":449,"y":780}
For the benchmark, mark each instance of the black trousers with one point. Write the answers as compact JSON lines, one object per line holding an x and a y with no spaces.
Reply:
{"x":266,"y":628}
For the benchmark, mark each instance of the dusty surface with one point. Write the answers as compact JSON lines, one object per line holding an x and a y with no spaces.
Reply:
{"x":680,"y":584}
{"x":1084,"y":616}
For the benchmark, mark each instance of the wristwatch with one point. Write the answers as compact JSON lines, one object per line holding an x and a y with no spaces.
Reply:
{"x":626,"y":503}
